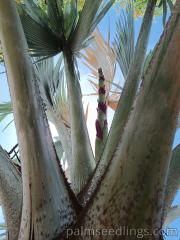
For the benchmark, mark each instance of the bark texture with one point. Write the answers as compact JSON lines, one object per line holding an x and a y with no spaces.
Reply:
{"x":131,"y":193}
{"x":173,"y":179}
{"x":10,"y":194}
{"x":48,"y":203}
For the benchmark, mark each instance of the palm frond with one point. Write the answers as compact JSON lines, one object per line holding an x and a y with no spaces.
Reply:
{"x":55,"y":15}
{"x":124,"y":40}
{"x":89,"y":18}
{"x":47,"y":32}
{"x":71,"y":16}
{"x":5,"y":110}
{"x":165,"y":4}
{"x":104,"y":8}
{"x":53,"y":87}
{"x":43,"y":32}
{"x":100,"y":55}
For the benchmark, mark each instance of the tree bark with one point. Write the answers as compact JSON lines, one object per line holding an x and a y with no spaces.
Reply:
{"x":173,"y":179}
{"x":48,"y":203}
{"x":10,"y":194}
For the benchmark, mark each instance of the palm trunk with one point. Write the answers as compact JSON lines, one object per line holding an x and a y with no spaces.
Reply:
{"x":127,"y":98}
{"x":133,"y":186}
{"x":10,"y":194}
{"x":83,"y":162}
{"x":173,"y":179}
{"x":48,"y":205}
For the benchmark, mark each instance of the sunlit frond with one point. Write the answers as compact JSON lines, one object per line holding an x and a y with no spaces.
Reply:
{"x":53,"y":87}
{"x":100,"y":55}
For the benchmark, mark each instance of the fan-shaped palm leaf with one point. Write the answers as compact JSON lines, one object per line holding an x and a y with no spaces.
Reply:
{"x":41,"y":38}
{"x":62,"y":24}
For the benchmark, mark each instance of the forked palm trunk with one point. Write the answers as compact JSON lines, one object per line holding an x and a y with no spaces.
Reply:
{"x":48,"y":203}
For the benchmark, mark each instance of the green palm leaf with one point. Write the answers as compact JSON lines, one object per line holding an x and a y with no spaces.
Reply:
{"x":71,"y":16}
{"x":52,"y":86}
{"x":165,"y":4}
{"x":124,"y":40}
{"x":48,"y":32}
{"x":43,"y":30}
{"x":55,"y":15}
{"x":41,"y":40}
{"x":89,"y":18}
{"x":5,"y":110}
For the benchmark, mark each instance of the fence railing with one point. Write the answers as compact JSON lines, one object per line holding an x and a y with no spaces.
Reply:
{"x":14,"y":153}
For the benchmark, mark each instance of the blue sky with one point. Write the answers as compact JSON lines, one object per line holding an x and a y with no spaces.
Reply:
{"x":8,"y":137}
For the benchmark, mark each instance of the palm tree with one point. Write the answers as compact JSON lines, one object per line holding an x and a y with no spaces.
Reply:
{"x":128,"y":184}
{"x":66,"y":29}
